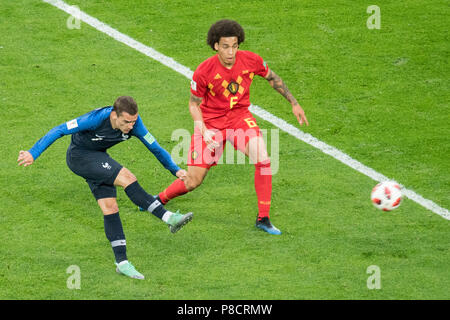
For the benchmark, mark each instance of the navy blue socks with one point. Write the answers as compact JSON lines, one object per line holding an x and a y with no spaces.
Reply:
{"x":144,"y":200}
{"x":114,"y":233}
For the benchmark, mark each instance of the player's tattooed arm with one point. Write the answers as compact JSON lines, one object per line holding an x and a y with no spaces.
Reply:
{"x":196,"y":112}
{"x":195,"y":100}
{"x":278,"y":84}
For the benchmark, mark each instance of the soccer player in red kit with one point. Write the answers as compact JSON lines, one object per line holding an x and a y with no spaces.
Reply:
{"x":219,"y":107}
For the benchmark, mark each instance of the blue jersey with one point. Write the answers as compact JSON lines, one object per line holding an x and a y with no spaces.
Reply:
{"x":93,"y":131}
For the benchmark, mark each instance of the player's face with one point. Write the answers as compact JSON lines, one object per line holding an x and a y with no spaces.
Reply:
{"x":226,"y":49}
{"x":125,"y":122}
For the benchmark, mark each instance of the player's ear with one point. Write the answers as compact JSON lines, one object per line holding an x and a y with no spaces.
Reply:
{"x":216,"y":46}
{"x":114,"y":114}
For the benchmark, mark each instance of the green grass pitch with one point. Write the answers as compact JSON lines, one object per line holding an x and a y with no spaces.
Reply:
{"x":381,"y":96}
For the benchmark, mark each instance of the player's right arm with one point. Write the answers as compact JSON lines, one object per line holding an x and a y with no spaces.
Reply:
{"x":197,"y":116}
{"x":88,"y":121}
{"x":27,"y":158}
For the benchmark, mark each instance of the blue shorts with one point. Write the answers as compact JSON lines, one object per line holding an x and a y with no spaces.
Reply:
{"x":97,"y":168}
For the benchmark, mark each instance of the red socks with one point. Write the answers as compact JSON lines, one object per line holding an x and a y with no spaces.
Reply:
{"x":177,"y":188}
{"x":263,"y":187}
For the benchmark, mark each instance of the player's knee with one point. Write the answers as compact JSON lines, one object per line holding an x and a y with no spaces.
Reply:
{"x":263,"y":167}
{"x":113,"y":208}
{"x":125,"y":178}
{"x":192,"y":182}
{"x":108,"y":206}
{"x":264,"y":160}
{"x":257,"y":151}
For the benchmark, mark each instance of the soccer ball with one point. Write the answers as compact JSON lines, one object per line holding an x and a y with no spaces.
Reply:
{"x":386,"y":195}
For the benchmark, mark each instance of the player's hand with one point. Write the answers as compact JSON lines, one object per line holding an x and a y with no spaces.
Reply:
{"x":299,"y":114}
{"x":25,"y":158}
{"x":182,"y":174}
{"x":208,"y":136}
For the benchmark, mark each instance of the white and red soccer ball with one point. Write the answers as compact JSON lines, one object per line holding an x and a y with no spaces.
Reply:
{"x":386,"y":195}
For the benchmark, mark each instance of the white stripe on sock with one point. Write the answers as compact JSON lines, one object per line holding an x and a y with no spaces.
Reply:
{"x":154,"y":205}
{"x":117,"y":243}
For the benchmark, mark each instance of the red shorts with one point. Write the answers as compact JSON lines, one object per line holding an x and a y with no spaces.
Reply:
{"x":239,"y":130}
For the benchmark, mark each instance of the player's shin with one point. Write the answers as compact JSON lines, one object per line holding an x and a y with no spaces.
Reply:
{"x":176,"y":189}
{"x":144,"y":200}
{"x":175,"y":220}
{"x":115,"y":235}
{"x":263,"y":187}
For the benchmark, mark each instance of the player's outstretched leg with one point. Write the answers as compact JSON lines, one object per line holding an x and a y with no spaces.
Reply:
{"x":176,"y":189}
{"x":176,"y":221}
{"x":142,"y":199}
{"x":194,"y":179}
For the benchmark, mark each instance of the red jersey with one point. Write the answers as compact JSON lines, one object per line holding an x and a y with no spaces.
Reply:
{"x":225,"y":92}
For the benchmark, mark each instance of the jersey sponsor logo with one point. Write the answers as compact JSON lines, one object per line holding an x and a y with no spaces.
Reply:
{"x":72,"y":124}
{"x":98,"y":138}
{"x":194,"y":85}
{"x":125,"y":136}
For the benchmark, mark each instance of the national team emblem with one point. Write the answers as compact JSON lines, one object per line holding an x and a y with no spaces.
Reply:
{"x":233,"y":87}
{"x":194,"y":155}
{"x":106,"y":165}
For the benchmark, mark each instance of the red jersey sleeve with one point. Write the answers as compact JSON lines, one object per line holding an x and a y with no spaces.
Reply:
{"x":260,"y":67}
{"x":198,"y":85}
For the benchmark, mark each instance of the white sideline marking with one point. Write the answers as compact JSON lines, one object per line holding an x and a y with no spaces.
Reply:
{"x":281,"y":124}
{"x":344,"y":158}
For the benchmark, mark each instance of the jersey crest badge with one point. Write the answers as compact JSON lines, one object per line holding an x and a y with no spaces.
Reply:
{"x":233,"y":87}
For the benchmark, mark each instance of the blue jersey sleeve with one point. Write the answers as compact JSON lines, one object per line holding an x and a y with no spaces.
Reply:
{"x":88,"y":121}
{"x":150,"y":142}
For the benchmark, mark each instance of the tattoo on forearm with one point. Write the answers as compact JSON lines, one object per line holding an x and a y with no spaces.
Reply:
{"x":278,"y":84}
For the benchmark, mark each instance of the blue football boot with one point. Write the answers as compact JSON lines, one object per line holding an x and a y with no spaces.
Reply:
{"x":265,"y":225}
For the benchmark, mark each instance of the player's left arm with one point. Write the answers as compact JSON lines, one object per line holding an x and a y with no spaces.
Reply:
{"x":159,"y":152}
{"x":278,"y":84}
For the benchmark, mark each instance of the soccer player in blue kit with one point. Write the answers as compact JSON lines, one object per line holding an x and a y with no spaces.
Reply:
{"x":92,"y":134}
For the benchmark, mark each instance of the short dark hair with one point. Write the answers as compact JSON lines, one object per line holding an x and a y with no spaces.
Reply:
{"x":125,"y":104}
{"x":225,"y":28}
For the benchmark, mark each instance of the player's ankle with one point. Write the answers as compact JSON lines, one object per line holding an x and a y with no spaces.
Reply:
{"x":167,"y":217}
